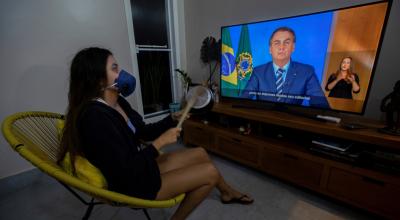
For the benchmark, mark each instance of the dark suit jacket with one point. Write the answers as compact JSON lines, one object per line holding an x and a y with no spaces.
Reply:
{"x":300,"y":81}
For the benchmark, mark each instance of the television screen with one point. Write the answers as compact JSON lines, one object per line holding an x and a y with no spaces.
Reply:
{"x":323,"y":60}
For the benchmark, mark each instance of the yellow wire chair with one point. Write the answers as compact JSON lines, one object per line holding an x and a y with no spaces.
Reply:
{"x":35,"y":136}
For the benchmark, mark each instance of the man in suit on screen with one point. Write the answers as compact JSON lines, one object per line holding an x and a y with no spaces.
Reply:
{"x":284,"y":80}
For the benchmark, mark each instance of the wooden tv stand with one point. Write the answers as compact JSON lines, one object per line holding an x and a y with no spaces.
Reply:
{"x":279,"y":145}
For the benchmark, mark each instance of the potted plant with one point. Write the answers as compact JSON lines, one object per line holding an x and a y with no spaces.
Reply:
{"x":153,"y":72}
{"x":210,"y":54}
{"x":186,"y":82}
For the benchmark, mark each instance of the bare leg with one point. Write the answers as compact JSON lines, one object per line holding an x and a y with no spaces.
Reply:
{"x":183,"y":158}
{"x":196,"y":180}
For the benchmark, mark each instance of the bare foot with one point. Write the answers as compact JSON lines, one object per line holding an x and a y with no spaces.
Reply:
{"x":234,"y":196}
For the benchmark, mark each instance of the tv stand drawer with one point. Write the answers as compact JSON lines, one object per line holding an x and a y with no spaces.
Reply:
{"x":198,"y":135}
{"x":291,"y":167}
{"x":366,"y":191}
{"x":238,"y":149}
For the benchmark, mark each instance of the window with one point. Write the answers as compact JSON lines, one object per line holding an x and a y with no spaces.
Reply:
{"x":150,"y":23}
{"x":155,"y":80}
{"x":154,"y":54}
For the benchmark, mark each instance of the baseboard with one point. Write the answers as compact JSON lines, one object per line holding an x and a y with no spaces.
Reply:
{"x":17,"y":173}
{"x":18,"y":181}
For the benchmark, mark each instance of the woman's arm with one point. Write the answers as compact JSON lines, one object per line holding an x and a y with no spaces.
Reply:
{"x":149,"y":132}
{"x":100,"y":135}
{"x":168,"y":137}
{"x":332,"y":81}
{"x":355,"y":83}
{"x":146,"y":132}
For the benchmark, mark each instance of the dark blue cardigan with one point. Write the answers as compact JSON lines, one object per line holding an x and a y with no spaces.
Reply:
{"x":110,"y":145}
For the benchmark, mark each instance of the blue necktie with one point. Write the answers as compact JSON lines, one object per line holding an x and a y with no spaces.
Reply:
{"x":279,"y":83}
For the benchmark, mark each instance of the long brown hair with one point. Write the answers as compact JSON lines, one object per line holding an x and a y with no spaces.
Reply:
{"x":349,"y":71}
{"x":87,"y":74}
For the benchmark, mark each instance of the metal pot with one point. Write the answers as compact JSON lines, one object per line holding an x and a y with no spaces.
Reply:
{"x":204,"y":101}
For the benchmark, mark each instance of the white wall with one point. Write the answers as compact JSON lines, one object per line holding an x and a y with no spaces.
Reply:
{"x":38,"y":40}
{"x":205,"y":18}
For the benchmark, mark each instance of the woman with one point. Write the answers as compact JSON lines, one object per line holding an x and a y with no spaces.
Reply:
{"x":344,"y":82}
{"x":102,"y":126}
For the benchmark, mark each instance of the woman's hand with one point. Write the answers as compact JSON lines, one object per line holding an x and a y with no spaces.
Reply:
{"x":351,"y":78}
{"x":168,"y":137}
{"x":356,"y":87}
{"x":177,"y":115}
{"x":340,"y":77}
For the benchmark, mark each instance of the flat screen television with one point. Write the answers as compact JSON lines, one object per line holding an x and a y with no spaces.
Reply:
{"x":321,"y":60}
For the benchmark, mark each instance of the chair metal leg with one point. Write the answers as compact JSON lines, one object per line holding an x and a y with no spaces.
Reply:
{"x":147,"y":214}
{"x":91,"y":204}
{"x":89,"y":210}
{"x":78,"y":196}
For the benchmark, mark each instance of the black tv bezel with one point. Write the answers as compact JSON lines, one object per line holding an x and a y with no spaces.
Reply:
{"x":383,"y":31}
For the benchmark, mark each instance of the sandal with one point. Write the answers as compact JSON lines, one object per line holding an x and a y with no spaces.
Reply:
{"x":239,"y":200}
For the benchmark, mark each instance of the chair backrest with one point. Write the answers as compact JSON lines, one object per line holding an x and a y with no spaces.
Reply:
{"x":37,"y":131}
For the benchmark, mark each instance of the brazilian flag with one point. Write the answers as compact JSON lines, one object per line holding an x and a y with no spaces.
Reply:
{"x":244,"y":59}
{"x":229,"y":76}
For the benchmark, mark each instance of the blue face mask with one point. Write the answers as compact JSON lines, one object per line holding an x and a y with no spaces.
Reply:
{"x":126,"y":83}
